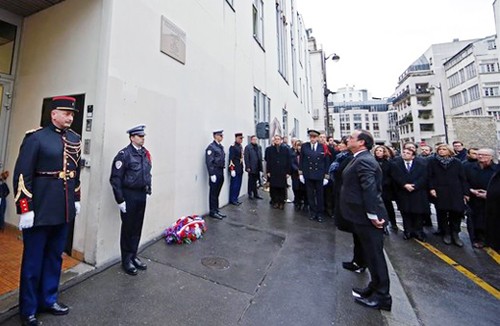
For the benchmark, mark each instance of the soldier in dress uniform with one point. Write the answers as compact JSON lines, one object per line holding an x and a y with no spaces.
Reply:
{"x":314,"y":173}
{"x":215,"y":159}
{"x":47,"y":197}
{"x":131,"y":182}
{"x":236,"y":169}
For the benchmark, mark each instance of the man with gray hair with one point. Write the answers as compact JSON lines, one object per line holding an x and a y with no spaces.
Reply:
{"x":478,"y":175}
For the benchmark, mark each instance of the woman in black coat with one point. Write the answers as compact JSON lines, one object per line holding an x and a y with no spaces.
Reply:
{"x":382,"y":155}
{"x":492,"y":233}
{"x":278,"y":167}
{"x":448,"y":187}
{"x":299,"y":189}
{"x":411,"y":178}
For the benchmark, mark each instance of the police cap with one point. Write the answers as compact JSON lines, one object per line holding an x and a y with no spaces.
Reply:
{"x":218,"y":132}
{"x":238,"y":134}
{"x":312,"y":132}
{"x":137,"y":131}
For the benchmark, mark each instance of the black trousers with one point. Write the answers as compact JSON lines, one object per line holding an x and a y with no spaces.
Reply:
{"x":315,"y":195}
{"x":132,"y":220}
{"x":358,"y":257}
{"x":372,"y":244}
{"x":278,"y":195}
{"x":390,"y":211}
{"x":328,"y":198}
{"x":413,"y":223}
{"x":253,"y":178}
{"x":214,"y":192}
{"x":476,"y":222}
{"x":450,"y":221}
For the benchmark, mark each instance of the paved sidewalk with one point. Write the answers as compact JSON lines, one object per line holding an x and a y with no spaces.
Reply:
{"x":283,"y":269}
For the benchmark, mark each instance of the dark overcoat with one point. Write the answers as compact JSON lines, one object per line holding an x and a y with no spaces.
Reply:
{"x":253,"y":158}
{"x":417,"y":201}
{"x":278,"y":165}
{"x":450,"y":185}
{"x":493,"y":212}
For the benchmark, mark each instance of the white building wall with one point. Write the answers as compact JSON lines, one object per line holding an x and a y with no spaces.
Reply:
{"x":110,"y":50}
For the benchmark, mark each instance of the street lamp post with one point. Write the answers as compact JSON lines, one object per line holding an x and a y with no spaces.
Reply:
{"x":327,"y":92}
{"x":438,"y":86}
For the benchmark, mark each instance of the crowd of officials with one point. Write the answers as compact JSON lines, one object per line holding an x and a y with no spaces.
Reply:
{"x":460,"y":183}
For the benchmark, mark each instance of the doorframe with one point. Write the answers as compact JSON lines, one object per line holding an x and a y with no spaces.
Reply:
{"x":6,"y":103}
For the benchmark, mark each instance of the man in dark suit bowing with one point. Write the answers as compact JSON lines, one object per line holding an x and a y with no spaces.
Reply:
{"x":313,"y":172}
{"x":361,"y":203}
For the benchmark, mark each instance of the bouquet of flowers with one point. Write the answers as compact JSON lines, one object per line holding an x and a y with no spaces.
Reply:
{"x":186,"y":230}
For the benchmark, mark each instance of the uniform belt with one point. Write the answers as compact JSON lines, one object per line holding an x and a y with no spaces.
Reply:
{"x":65,"y":175}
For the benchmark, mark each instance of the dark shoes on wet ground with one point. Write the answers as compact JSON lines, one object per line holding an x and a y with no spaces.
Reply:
{"x":139,"y":264}
{"x":353,"y":267}
{"x":375,"y":301}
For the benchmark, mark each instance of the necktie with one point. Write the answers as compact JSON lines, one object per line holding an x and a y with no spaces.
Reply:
{"x":408,"y":166}
{"x":314,"y":147}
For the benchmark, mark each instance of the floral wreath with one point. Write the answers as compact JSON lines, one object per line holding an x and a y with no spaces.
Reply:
{"x":185,"y":230}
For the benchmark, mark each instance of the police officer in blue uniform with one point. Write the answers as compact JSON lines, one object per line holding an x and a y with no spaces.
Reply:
{"x":314,"y":173}
{"x":47,"y":197}
{"x":215,"y":159}
{"x":131,"y":182}
{"x":236,"y":169}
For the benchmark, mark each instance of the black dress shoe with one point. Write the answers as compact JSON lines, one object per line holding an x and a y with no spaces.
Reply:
{"x":312,"y":217}
{"x":139,"y":264}
{"x":258,"y":197}
{"x":320,"y":219}
{"x":57,"y":309}
{"x":353,"y":267}
{"x":234,"y":203}
{"x":29,"y":320}
{"x":129,"y":268}
{"x":362,"y":292}
{"x":406,"y":235}
{"x":376,"y":302}
{"x":420,"y":236}
{"x":216,"y":216}
{"x":220,"y":214}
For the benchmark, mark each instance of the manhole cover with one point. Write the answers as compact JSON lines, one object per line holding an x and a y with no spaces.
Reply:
{"x":215,"y":262}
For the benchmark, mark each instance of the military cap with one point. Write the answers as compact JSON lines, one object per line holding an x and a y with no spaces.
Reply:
{"x":65,"y":103}
{"x":218,"y":131}
{"x":312,"y":132}
{"x":137,"y":131}
{"x":238,"y":134}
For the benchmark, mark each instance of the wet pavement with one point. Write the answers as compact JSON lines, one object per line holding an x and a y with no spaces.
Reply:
{"x":262,"y":266}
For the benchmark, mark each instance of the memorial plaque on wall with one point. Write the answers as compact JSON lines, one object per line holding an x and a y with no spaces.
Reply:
{"x":173,"y":40}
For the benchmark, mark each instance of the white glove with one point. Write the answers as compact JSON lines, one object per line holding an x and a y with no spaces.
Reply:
{"x":325,"y":182}
{"x":26,"y":221}
{"x":301,"y":178}
{"x":213,"y":178}
{"x":77,"y":207}
{"x":123,"y":207}
{"x":233,"y":173}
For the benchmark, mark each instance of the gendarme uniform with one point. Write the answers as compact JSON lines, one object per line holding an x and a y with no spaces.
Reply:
{"x":215,"y":159}
{"x":131,"y":183}
{"x":46,"y":183}
{"x":236,"y":165}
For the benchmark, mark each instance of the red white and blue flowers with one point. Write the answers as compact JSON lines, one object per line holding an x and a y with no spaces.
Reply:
{"x":186,"y":230}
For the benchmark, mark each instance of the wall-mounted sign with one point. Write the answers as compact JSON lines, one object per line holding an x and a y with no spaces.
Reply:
{"x":173,"y":40}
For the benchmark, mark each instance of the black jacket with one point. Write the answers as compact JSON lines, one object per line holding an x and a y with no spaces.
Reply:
{"x":361,"y":191}
{"x":253,"y":158}
{"x":236,"y":158}
{"x":450,"y":185}
{"x":131,"y":170}
{"x":314,"y":164}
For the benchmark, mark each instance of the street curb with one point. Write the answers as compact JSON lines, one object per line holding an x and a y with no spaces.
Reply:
{"x":402,"y":313}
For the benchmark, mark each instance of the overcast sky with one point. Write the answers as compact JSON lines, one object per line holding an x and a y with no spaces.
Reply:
{"x":378,"y":39}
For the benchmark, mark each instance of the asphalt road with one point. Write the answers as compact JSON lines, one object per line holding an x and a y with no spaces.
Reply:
{"x":282,"y":269}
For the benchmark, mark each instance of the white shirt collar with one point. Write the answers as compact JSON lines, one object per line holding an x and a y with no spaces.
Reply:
{"x":136,"y":147}
{"x":357,"y":153}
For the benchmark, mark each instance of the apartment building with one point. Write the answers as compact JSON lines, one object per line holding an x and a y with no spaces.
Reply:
{"x":421,"y":97}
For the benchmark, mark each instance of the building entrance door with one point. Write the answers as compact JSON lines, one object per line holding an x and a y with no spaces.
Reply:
{"x":5,"y":105}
